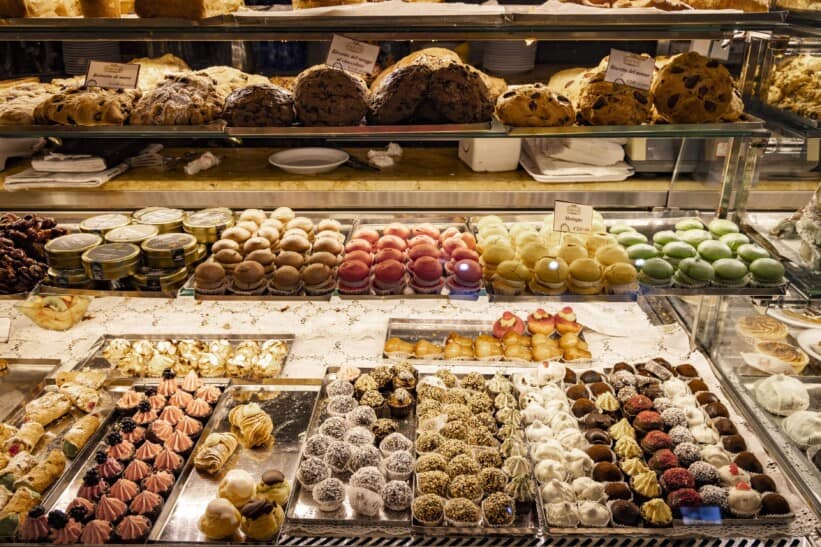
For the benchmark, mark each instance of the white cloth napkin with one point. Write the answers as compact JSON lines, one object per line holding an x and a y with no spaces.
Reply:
{"x":541,"y":163}
{"x":31,"y":178}
{"x":556,"y":7}
{"x":600,"y":152}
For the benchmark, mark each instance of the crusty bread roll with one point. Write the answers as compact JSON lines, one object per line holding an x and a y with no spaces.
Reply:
{"x":40,"y":8}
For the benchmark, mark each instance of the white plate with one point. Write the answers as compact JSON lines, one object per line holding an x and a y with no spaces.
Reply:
{"x":309,"y":161}
{"x":809,"y":340}
{"x":792,"y":321}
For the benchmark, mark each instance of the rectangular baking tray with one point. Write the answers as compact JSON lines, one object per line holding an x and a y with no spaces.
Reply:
{"x":290,"y":408}
{"x":529,"y":523}
{"x":22,"y":380}
{"x":96,"y":361}
{"x":304,"y":518}
{"x":348,"y":222}
{"x":437,"y":330}
{"x":646,"y":224}
{"x":379,"y":222}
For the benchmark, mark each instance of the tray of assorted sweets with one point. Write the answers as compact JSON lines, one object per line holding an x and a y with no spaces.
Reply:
{"x":38,"y":442}
{"x":118,"y":491}
{"x":356,"y":467}
{"x":20,"y":379}
{"x":237,"y":485}
{"x":540,"y":337}
{"x":216,"y":358}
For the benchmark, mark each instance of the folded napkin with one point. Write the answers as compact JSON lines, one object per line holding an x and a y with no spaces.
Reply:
{"x":31,"y":178}
{"x":545,"y":168}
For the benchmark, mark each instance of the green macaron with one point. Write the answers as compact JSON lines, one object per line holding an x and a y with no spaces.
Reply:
{"x":730,"y":272}
{"x":656,"y":272}
{"x":694,"y":237}
{"x":664,"y":237}
{"x":641,"y":251}
{"x":722,"y":226}
{"x":712,"y":250}
{"x":628,"y":239}
{"x":694,"y":273}
{"x":750,"y":252}
{"x":620,"y":228}
{"x":767,"y":272}
{"x":691,"y":223}
{"x":679,"y":249}
{"x":734,"y":241}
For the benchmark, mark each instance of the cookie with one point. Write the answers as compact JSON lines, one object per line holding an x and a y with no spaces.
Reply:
{"x":184,"y":98}
{"x":692,"y":88}
{"x":611,"y":103}
{"x":534,"y":105}
{"x":259,"y":106}
{"x":324,"y":95}
{"x":87,"y":106}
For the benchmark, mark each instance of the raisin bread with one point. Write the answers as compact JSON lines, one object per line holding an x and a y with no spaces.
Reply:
{"x":610,"y":103}
{"x":324,"y":95}
{"x":692,"y":88}
{"x":230,"y":79}
{"x":259,"y":106}
{"x":183,"y":98}
{"x":534,"y":105}
{"x":40,"y":8}
{"x":17,"y":103}
{"x":153,"y":70}
{"x":87,"y":106}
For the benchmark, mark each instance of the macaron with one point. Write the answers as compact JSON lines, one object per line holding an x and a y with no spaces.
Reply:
{"x":712,"y":250}
{"x":256,"y":243}
{"x":283,"y":214}
{"x":397,"y":229}
{"x":640,"y":252}
{"x":264,"y":257}
{"x":570,"y":252}
{"x":694,"y":273}
{"x":612,"y":254}
{"x":228,"y":258}
{"x":690,"y":223}
{"x":354,"y":276}
{"x":389,"y":277}
{"x":694,"y":237}
{"x":730,"y":272}
{"x":510,"y":278}
{"x":585,"y":276}
{"x":421,"y":239}
{"x":225,"y":244}
{"x":331,"y":260}
{"x":426,"y":229}
{"x":290,"y":258}
{"x":721,"y":226}
{"x":656,"y":272}
{"x":391,"y":242}
{"x":620,"y":228}
{"x":620,"y":278}
{"x":550,"y":276}
{"x":465,"y":278}
{"x":497,"y":253}
{"x":734,"y":241}
{"x":425,"y":249}
{"x":358,"y":245}
{"x":750,"y":252}
{"x":328,"y":245}
{"x":318,"y":279}
{"x":628,"y":239}
{"x":426,"y":272}
{"x":767,"y":272}
{"x":597,"y":241}
{"x":675,"y":251}
{"x":389,"y":254}
{"x":296,"y":242}
{"x":662,"y":238}
{"x":248,"y":279}
{"x":209,"y":278}
{"x":368,"y":234}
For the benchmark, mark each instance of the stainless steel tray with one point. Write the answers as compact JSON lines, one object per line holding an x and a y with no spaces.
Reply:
{"x":96,"y":361}
{"x":529,"y":517}
{"x":22,"y":380}
{"x":437,"y":330}
{"x":290,"y":408}
{"x":304,"y":518}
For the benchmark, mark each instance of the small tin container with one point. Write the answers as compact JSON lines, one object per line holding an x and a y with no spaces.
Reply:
{"x":111,"y":261}
{"x":133,"y":233}
{"x":166,"y":281}
{"x":102,"y":224}
{"x":166,"y":220}
{"x":207,"y":225}
{"x":66,"y":252}
{"x":170,"y":251}
{"x":69,"y":278}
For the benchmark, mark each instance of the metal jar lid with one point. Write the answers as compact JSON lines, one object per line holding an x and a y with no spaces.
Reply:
{"x":169,"y":250}
{"x":166,"y":220}
{"x":160,"y":280}
{"x":133,"y":233}
{"x":65,"y":252}
{"x":100,"y":224}
{"x":207,"y":224}
{"x":111,"y":261}
{"x":68,"y":278}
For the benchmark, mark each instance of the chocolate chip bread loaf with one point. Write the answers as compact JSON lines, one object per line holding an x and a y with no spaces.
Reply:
{"x":534,"y":105}
{"x":230,"y":79}
{"x":186,"y":9}
{"x":395,"y":96}
{"x":324,"y":95}
{"x":610,"y":103}
{"x":87,"y":106}
{"x":259,"y":106}
{"x":17,"y":103}
{"x":692,"y":88}
{"x":181,"y":99}
{"x":459,"y":94}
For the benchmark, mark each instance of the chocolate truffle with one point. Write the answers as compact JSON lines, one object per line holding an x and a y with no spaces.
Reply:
{"x":600,"y":453}
{"x":774,"y":504}
{"x":687,"y":371}
{"x":582,"y":407}
{"x":625,"y":513}
{"x":591,"y":376}
{"x":623,"y":366}
{"x":648,"y":420}
{"x":569,"y":376}
{"x":734,"y":443}
{"x":687,"y":453}
{"x":597,"y":436}
{"x":597,"y":420}
{"x":618,"y":491}
{"x":706,"y":397}
{"x":716,"y":410}
{"x":704,"y":473}
{"x":636,"y":404}
{"x":717,"y":496}
{"x":655,"y":440}
{"x":598,"y":388}
{"x":748,"y":462}
{"x":677,"y":478}
{"x":653,"y":391}
{"x":725,"y":426}
{"x":607,"y":472}
{"x":698,"y":385}
{"x":763,"y":483}
{"x":578,"y":391}
{"x":663,"y":460}
{"x":685,"y":497}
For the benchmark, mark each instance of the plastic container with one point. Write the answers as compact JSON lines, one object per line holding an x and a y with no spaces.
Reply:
{"x":490,"y":155}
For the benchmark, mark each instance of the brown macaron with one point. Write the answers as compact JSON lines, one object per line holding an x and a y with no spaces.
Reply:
{"x":290,"y":258}
{"x":248,"y":275}
{"x":286,"y":278}
{"x":209,"y":276}
{"x":315,"y":274}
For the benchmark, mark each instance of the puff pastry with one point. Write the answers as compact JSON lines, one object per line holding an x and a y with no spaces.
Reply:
{"x":396,"y":347}
{"x":89,"y":378}
{"x":83,"y":397}
{"x":215,"y":451}
{"x":44,"y":474}
{"x":48,"y":408}
{"x":7,"y":432}
{"x":76,"y":438}
{"x":25,"y":439}
{"x":428,"y":350}
{"x":254,"y":424}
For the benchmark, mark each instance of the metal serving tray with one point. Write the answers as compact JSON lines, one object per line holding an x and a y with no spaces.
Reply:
{"x":304,"y":517}
{"x":378,"y":222}
{"x":96,"y":361}
{"x":529,"y":517}
{"x":22,"y":380}
{"x":290,"y":408}
{"x":437,"y":331}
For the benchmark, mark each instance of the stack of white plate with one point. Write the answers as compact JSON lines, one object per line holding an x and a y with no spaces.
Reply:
{"x":509,"y":57}
{"x":76,"y":55}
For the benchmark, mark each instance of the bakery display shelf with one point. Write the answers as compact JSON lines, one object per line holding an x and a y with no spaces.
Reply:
{"x":21,"y":379}
{"x":96,"y":360}
{"x":214,"y":131}
{"x":290,"y":408}
{"x":367,"y":132}
{"x":437,"y":332}
{"x":303,"y":516}
{"x":751,"y":127}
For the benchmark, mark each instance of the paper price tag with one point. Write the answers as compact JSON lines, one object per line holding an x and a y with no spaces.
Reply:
{"x":630,"y":69}
{"x":352,"y":55}
{"x":572,"y":217}
{"x":5,"y":329}
{"x":112,"y":75}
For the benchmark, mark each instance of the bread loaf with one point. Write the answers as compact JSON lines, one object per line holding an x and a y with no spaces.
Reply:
{"x":154,"y":70}
{"x":796,"y":86}
{"x":40,"y":8}
{"x":184,"y":98}
{"x":305,"y":4}
{"x":285,"y":82}
{"x":534,"y":105}
{"x":186,"y":9}
{"x":87,"y":106}
{"x":230,"y":79}
{"x":324,"y":95}
{"x":259,"y":106}
{"x":743,"y":5}
{"x":692,"y":88}
{"x":100,"y":8}
{"x":610,"y":103}
{"x":569,"y":82}
{"x":17,"y":103}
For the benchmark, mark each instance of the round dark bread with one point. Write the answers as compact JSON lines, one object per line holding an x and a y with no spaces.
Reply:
{"x":259,"y":106}
{"x":534,"y":105}
{"x":395,"y":97}
{"x":459,"y":94}
{"x":692,"y":88}
{"x":324,"y":95}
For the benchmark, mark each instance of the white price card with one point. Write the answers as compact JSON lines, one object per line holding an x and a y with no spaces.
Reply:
{"x":5,"y":329}
{"x":630,"y":69}
{"x":572,"y":217}
{"x":112,"y":75}
{"x":352,"y":55}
